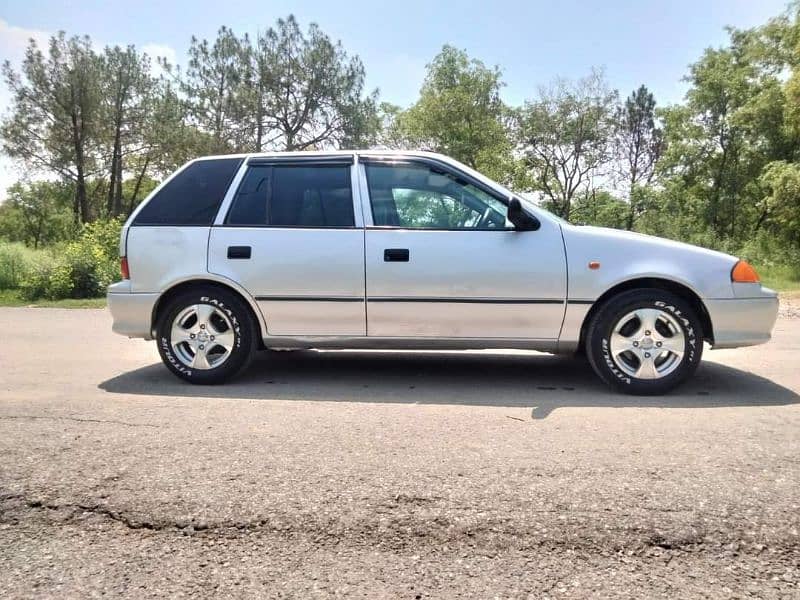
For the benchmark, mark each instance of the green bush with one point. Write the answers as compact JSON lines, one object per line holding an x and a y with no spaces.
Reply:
{"x":16,"y":262}
{"x":79,"y":269}
{"x":37,"y":280}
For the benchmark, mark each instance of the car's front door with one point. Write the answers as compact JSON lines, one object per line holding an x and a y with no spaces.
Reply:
{"x":293,"y":239}
{"x":443,"y":261}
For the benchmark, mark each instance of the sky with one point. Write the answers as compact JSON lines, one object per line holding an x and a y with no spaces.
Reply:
{"x":533,"y":42}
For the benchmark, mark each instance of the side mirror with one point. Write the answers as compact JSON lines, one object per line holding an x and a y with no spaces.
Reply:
{"x":522,"y":220}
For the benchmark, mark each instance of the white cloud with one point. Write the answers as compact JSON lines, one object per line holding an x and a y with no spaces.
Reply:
{"x":13,"y":42}
{"x":156,"y":51}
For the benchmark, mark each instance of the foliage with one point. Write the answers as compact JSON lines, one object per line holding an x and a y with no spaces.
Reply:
{"x":37,"y":214}
{"x":56,"y":112}
{"x":309,"y":94}
{"x":459,"y":113}
{"x":638,"y":144}
{"x":600,"y":208}
{"x":780,"y":206}
{"x":286,"y":90}
{"x":565,"y":138}
{"x":81,"y":269}
{"x":126,"y":88}
{"x":212,"y":79}
{"x":16,"y":261}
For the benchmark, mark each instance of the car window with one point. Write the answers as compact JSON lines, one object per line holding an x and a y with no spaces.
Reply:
{"x":193,"y":196}
{"x":419,"y":197}
{"x":250,"y":204}
{"x":294,"y":196}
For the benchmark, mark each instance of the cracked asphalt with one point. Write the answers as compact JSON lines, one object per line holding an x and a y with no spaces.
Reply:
{"x":390,"y":475}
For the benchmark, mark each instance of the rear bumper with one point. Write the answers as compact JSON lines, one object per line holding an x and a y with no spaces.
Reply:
{"x":743,"y":321}
{"x":132,"y":313}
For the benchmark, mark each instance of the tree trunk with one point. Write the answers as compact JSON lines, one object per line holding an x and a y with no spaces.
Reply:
{"x":116,"y":209}
{"x":112,"y":182}
{"x":136,"y":188}
{"x":81,"y":206}
{"x":631,"y":209}
{"x":114,"y":202}
{"x":80,"y":196}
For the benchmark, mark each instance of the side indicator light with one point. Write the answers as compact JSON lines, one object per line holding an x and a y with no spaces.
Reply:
{"x":743,"y":272}
{"x":594,"y":265}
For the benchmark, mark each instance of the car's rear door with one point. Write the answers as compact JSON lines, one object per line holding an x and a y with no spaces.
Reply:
{"x":293,"y":237}
{"x":442,"y":260}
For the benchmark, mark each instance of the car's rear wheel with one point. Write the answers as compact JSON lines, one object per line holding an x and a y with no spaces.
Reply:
{"x":644,"y":341}
{"x":206,"y":335}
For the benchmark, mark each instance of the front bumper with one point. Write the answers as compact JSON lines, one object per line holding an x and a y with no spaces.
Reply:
{"x":743,"y":321}
{"x":132,"y":312}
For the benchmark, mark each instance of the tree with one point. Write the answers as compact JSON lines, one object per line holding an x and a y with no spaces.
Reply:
{"x":459,"y":113}
{"x":213,"y":87}
{"x":37,"y":213}
{"x":731,"y":126}
{"x":304,"y":92}
{"x":52,"y":125}
{"x":126,"y":86}
{"x":638,"y":144}
{"x":565,"y":137}
{"x":781,"y":204}
{"x":601,"y":208}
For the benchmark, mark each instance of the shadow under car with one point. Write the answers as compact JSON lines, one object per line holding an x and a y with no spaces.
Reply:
{"x":522,"y":379}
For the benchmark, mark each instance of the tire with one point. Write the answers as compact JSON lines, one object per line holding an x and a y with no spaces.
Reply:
{"x":644,"y":342}
{"x":206,"y":335}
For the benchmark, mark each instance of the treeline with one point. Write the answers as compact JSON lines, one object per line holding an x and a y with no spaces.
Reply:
{"x":99,"y":127}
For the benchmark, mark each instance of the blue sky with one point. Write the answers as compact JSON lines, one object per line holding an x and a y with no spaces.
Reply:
{"x":635,"y":41}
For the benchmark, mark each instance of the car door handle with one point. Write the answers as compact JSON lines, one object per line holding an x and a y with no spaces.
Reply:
{"x":395,"y":255}
{"x":239,"y":251}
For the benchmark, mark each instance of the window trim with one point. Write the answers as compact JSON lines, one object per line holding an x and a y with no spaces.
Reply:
{"x":401,"y":161}
{"x":329,"y":160}
{"x":270,"y":162}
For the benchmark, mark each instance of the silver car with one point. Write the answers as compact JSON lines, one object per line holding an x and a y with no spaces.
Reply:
{"x":412,"y":250}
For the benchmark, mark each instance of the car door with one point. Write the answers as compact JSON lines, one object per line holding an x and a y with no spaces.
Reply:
{"x":443,"y":261}
{"x":293,"y":238}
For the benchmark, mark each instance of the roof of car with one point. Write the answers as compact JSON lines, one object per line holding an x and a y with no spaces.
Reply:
{"x":307,"y":153}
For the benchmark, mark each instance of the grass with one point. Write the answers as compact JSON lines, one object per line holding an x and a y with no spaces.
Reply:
{"x":781,"y":279}
{"x":13,"y":298}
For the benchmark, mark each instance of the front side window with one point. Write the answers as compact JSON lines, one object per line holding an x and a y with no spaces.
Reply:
{"x":294,"y":196}
{"x":193,"y":196}
{"x":420,"y":197}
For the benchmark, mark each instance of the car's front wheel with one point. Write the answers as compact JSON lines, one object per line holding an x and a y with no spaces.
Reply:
{"x":644,"y":341}
{"x":206,"y":335}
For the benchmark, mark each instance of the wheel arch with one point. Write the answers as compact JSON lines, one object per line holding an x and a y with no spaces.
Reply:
{"x":682,"y":291}
{"x":187,"y":284}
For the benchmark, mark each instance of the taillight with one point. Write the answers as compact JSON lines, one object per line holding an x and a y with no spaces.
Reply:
{"x":743,"y":272}
{"x":123,"y":267}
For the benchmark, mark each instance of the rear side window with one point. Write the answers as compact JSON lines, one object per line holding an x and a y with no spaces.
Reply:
{"x":193,"y":196}
{"x":294,"y":196}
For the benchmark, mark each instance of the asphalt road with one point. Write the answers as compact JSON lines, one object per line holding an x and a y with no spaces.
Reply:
{"x":390,"y":475}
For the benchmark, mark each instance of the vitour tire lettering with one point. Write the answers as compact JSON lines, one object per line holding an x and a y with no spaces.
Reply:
{"x":165,"y":348}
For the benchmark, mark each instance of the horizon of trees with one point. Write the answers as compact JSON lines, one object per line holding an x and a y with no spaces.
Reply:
{"x":96,"y":130}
